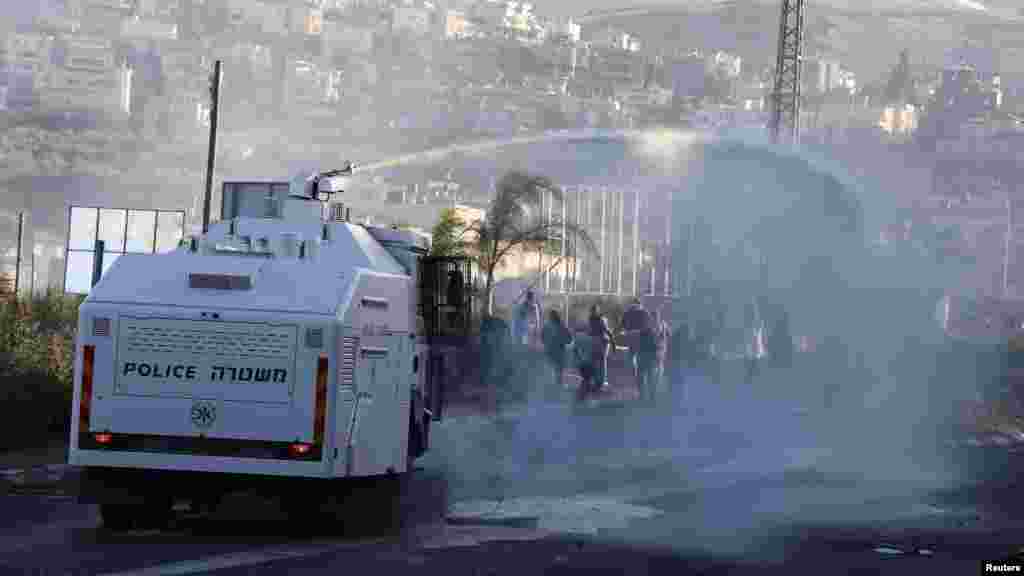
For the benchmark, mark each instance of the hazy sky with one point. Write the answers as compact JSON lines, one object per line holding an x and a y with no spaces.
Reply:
{"x":21,"y":10}
{"x":1005,"y":8}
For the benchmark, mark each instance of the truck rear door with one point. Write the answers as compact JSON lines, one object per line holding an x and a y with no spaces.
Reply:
{"x":193,"y":383}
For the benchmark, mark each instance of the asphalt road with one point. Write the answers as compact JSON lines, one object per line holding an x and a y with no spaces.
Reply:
{"x":616,"y":489}
{"x":44,"y":536}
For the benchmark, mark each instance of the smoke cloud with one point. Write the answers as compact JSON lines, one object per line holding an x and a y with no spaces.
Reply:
{"x":745,"y":463}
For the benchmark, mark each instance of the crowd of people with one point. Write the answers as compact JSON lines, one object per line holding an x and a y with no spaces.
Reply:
{"x":657,"y":353}
{"x":586,"y":346}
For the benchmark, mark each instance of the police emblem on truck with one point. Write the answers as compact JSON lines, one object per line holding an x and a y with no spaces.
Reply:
{"x":204,"y":414}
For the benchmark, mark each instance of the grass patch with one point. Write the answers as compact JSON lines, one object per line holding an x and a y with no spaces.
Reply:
{"x":37,"y":337}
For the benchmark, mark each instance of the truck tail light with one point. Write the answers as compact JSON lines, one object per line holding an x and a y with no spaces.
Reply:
{"x":299,"y":449}
{"x":103,"y":437}
{"x":321,"y":400}
{"x":85,"y":402}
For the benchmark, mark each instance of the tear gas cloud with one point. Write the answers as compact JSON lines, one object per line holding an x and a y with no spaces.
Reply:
{"x":785,"y":227}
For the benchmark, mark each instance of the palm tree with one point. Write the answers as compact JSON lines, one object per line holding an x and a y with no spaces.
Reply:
{"x":510,"y":225}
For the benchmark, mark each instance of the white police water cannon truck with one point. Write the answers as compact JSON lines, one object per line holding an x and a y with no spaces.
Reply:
{"x":282,"y":352}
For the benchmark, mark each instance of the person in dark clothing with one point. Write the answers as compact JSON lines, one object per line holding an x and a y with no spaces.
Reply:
{"x":603,"y":338}
{"x":635,"y":321}
{"x":701,"y":344}
{"x":583,"y":354}
{"x":494,"y":336}
{"x":556,"y":338}
{"x":680,"y":356}
{"x":678,"y":350}
{"x":704,"y":340}
{"x":635,"y":317}
{"x":646,"y":361}
{"x":781,"y":340}
{"x":717,"y":327}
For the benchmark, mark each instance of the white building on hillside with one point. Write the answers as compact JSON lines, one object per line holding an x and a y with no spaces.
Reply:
{"x":564,"y":30}
{"x":412,"y":19}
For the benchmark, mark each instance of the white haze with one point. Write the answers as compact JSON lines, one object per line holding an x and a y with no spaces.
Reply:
{"x":883,"y":440}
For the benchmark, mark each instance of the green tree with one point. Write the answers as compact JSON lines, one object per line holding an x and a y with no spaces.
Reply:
{"x":446,"y":238}
{"x":509,"y":225}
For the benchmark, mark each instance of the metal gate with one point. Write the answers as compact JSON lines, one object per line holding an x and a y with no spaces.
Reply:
{"x":447,"y":289}
{"x":446,"y":299}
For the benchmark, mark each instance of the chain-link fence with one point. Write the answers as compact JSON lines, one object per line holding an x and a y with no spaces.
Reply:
{"x":31,"y":256}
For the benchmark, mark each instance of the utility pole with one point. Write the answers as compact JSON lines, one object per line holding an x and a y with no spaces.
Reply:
{"x":17,"y":257}
{"x":786,"y":91}
{"x":212,"y":153}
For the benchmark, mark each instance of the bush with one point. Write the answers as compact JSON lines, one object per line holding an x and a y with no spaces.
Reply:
{"x":36,"y":368}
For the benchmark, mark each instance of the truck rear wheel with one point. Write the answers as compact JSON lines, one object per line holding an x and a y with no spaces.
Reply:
{"x":306,"y":512}
{"x":156,"y":513}
{"x":117,"y":517}
{"x":378,"y":503}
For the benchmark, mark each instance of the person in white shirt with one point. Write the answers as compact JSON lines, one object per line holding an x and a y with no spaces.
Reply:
{"x":755,"y":351}
{"x":525,"y":313}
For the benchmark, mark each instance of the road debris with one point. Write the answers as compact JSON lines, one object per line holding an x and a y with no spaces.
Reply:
{"x":579,"y":515}
{"x":887,"y":549}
